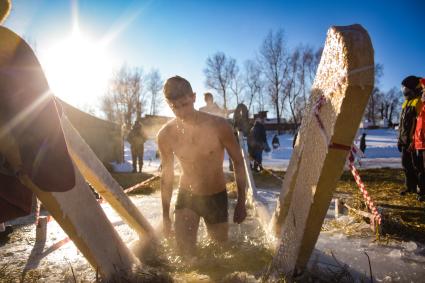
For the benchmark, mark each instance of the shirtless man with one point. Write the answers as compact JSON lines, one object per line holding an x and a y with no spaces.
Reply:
{"x":198,"y":141}
{"x":212,"y":107}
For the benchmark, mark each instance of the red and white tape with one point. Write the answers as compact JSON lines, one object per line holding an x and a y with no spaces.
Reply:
{"x":362,"y":188}
{"x":354,"y":151}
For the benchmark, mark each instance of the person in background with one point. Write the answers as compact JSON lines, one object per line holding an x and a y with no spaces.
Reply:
{"x":212,"y":107}
{"x":419,"y":146}
{"x":411,"y":107}
{"x":275,"y":142}
{"x":363,"y":143}
{"x":257,"y":142}
{"x":294,"y":139}
{"x":137,"y":138}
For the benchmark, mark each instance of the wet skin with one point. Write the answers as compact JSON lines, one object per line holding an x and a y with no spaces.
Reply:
{"x":198,"y":141}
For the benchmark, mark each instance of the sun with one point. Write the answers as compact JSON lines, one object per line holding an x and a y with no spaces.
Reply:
{"x":78,"y":69}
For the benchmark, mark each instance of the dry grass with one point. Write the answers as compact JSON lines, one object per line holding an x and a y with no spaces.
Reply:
{"x":403,"y":216}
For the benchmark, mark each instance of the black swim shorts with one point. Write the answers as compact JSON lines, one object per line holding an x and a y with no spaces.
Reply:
{"x":213,"y":208}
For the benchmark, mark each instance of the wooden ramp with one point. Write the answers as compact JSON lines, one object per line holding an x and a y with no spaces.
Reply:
{"x":37,"y":152}
{"x":340,"y":92}
{"x":102,"y":181}
{"x":254,"y":199}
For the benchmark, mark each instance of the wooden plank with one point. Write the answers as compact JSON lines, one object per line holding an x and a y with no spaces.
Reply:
{"x":32,"y":141}
{"x":344,"y":81}
{"x":254,"y":199}
{"x":81,"y":217}
{"x":141,"y":184}
{"x":102,"y":181}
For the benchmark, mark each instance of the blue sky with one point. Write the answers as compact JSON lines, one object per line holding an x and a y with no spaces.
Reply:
{"x":176,"y":37}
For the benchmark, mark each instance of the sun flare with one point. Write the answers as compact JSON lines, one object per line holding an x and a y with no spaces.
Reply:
{"x":78,"y":69}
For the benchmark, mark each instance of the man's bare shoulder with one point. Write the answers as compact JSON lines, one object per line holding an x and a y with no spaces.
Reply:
{"x":211,"y":119}
{"x":166,"y":130}
{"x":218,"y":124}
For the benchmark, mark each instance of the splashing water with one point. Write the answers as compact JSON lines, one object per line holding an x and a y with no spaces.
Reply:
{"x":246,"y":254}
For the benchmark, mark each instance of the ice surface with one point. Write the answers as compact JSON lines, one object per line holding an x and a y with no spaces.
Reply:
{"x":381,"y":151}
{"x":390,"y":262}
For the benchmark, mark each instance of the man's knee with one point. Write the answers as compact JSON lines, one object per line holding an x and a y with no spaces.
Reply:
{"x":218,"y":232}
{"x":186,"y":228}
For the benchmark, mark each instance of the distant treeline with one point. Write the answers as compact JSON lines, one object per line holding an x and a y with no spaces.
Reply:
{"x":277,"y":80}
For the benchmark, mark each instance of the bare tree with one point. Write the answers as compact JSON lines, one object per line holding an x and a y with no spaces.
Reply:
{"x":123,"y":103}
{"x":373,"y":106}
{"x":110,"y":108}
{"x":292,"y":87}
{"x":237,"y":83}
{"x":254,"y":85}
{"x":154,"y":86}
{"x":390,"y":105}
{"x":218,"y":73}
{"x":310,"y":60}
{"x":303,"y":64}
{"x":275,"y":68}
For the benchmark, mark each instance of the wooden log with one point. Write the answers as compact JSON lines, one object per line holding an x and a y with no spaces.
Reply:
{"x":32,"y":141}
{"x":253,"y":198}
{"x":141,"y":184}
{"x":374,"y":226}
{"x":41,"y":229}
{"x":84,"y":221}
{"x":102,"y":181}
{"x":343,"y":83}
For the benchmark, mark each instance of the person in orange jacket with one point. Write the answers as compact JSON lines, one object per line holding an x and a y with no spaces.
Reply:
{"x":419,"y":146}
{"x":411,"y":107}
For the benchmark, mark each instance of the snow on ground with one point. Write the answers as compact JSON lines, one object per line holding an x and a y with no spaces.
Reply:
{"x":390,"y":262}
{"x":150,"y":161}
{"x":381,"y":151}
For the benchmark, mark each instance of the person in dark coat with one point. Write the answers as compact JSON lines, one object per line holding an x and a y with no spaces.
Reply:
{"x":419,"y":147}
{"x":363,"y":143}
{"x":411,"y":107}
{"x":275,"y":142}
{"x":137,"y":138}
{"x":257,"y":142}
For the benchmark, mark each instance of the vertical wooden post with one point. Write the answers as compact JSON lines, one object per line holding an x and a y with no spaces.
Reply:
{"x":341,"y":90}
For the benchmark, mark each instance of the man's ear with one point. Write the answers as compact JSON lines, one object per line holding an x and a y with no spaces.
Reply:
{"x":5,"y":7}
{"x":194,"y":96}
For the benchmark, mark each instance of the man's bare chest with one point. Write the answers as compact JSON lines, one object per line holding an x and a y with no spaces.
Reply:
{"x":196,"y":143}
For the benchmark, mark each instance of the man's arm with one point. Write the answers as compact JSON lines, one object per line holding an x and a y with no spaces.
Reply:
{"x":230,"y":144}
{"x":167,"y":177}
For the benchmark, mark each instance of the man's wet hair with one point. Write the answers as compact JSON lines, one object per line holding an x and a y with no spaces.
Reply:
{"x":176,"y":87}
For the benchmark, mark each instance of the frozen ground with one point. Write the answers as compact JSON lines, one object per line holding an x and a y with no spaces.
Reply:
{"x":392,"y":262}
{"x":381,"y":152}
{"x":334,"y":251}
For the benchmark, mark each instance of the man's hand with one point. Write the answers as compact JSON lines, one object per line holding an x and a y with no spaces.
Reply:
{"x":166,"y":226}
{"x":240,"y":212}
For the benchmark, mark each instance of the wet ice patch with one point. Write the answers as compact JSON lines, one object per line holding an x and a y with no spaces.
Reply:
{"x":409,"y":246}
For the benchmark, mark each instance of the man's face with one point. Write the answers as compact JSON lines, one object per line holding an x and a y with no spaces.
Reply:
{"x":208,"y":99}
{"x":182,"y":106}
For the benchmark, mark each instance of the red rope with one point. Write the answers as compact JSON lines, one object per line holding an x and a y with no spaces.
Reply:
{"x":353,"y":151}
{"x":362,"y":188}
